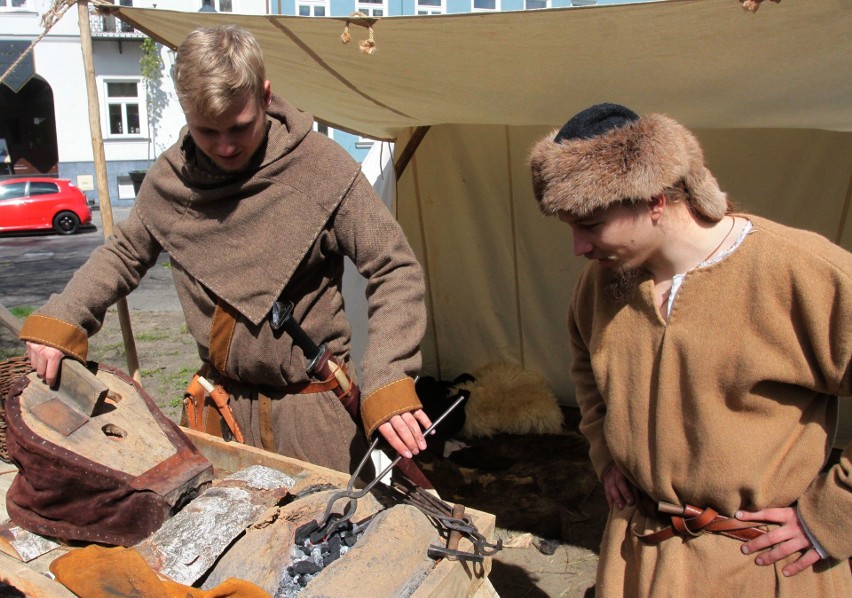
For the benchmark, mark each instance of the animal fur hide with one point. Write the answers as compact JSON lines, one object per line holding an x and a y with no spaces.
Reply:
{"x":505,"y":398}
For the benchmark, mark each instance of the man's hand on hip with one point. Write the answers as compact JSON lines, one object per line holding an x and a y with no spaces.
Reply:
{"x":783,"y":541}
{"x":403,"y":432}
{"x":617,"y":488}
{"x":45,"y":361}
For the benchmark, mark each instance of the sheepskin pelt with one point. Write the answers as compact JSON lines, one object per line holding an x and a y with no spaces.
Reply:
{"x":506,"y":398}
{"x":635,"y":161}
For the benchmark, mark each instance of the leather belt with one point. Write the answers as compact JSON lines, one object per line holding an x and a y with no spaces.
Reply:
{"x":306,"y":388}
{"x":690,"y":521}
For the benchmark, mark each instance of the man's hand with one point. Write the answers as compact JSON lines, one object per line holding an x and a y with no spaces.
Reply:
{"x":784,"y":540}
{"x":617,"y":488}
{"x":403,"y":432}
{"x":45,"y":361}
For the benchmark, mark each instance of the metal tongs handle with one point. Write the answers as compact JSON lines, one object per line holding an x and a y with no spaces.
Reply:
{"x":354,"y":495}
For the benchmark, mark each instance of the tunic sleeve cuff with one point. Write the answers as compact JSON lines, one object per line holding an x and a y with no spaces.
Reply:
{"x":826,"y":510}
{"x":66,"y":337}
{"x":392,"y":399}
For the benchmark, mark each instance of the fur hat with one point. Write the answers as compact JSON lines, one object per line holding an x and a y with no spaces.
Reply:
{"x":607,"y":153}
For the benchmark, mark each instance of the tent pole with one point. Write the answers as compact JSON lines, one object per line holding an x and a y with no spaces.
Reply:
{"x":101,"y":176}
{"x":408,"y":151}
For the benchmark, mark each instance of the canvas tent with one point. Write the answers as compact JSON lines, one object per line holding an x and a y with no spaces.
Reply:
{"x":767,"y":93}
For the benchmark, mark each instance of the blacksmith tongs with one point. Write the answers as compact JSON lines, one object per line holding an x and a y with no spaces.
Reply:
{"x":327,"y":524}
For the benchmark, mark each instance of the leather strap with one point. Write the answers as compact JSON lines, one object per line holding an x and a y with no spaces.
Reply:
{"x":221,"y":398}
{"x":221,"y":333}
{"x":204,"y":415}
{"x":699,"y":521}
{"x":306,"y":388}
{"x":193,"y":400}
{"x":264,"y":406}
{"x":264,"y":411}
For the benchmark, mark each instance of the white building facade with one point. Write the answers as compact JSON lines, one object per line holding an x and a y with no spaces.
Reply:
{"x":44,"y":119}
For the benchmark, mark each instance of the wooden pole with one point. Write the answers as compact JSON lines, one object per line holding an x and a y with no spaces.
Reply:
{"x":101,"y":177}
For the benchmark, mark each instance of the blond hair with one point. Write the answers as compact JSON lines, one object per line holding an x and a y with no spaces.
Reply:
{"x":216,"y":65}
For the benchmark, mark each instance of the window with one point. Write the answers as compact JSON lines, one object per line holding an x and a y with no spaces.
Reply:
{"x":37,"y":188}
{"x":534,"y":4}
{"x":225,"y":6}
{"x":431,"y":7}
{"x":123,"y":108}
{"x":311,"y":8}
{"x":126,"y":27}
{"x":364,"y":143}
{"x":372,"y":8}
{"x":13,"y":3}
{"x":324,"y":129}
{"x":486,"y":5}
{"x":13,"y":191}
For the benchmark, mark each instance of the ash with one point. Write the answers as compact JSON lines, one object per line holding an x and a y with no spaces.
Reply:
{"x":307,"y":559}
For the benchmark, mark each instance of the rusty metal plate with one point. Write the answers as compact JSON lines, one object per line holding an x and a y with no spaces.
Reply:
{"x":56,"y":414}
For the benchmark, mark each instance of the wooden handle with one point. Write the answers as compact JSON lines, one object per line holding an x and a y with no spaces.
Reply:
{"x":10,"y":321}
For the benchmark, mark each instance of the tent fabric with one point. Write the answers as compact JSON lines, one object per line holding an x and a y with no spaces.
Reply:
{"x":500,"y":274}
{"x":785,"y":66}
{"x":766,"y":93}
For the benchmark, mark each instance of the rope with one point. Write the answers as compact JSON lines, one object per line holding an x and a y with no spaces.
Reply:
{"x":48,"y":20}
{"x":368,"y":45}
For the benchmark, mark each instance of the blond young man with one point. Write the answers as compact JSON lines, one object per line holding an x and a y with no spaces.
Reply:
{"x":252,"y":205}
{"x":709,"y":350}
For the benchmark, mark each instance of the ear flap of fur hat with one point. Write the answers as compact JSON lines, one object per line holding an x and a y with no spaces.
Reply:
{"x":623,"y":158}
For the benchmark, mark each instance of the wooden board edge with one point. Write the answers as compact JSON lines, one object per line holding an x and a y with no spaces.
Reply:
{"x":232,"y":456}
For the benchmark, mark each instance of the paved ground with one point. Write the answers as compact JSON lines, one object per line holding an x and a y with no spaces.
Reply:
{"x":550,"y":509}
{"x":32,"y":266}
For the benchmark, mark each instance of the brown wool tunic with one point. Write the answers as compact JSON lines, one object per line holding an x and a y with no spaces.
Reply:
{"x":239,"y":242}
{"x":731,"y":404}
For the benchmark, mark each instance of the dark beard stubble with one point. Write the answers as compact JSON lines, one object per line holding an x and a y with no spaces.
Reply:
{"x":621,"y":283}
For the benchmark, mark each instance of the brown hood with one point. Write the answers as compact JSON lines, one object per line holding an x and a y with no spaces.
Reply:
{"x":206,"y":219}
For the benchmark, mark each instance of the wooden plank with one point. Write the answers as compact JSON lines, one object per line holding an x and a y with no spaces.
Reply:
{"x":460,"y":578}
{"x":29,"y":581}
{"x":125,"y":437}
{"x":448,"y":578}
{"x":188,"y":544}
{"x":231,"y":456}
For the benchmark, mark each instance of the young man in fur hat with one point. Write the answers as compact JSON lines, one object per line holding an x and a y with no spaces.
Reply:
{"x":709,"y":348}
{"x":252,"y":206}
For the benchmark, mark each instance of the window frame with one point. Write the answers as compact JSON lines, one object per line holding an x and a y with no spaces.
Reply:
{"x":313,"y":5}
{"x":9,"y":6}
{"x":368,"y":7}
{"x":474,"y":9}
{"x":14,"y":185}
{"x":428,"y":9}
{"x":40,"y":188}
{"x":124,"y":101}
{"x":547,"y":4}
{"x":329,"y":131}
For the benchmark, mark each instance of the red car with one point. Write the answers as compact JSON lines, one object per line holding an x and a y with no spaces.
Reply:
{"x":34,"y":203}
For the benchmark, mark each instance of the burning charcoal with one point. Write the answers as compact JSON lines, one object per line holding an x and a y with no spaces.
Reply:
{"x":349,"y":540}
{"x":304,"y":531}
{"x":303,"y":581}
{"x":334,"y":545}
{"x":333,"y":552}
{"x":304,"y":568}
